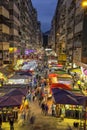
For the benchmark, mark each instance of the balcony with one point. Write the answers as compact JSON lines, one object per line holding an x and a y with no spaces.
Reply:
{"x":5,"y":3}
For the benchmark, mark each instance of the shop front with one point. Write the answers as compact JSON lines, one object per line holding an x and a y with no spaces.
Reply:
{"x":7,"y":112}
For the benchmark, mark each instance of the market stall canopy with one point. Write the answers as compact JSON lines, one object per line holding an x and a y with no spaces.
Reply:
{"x":52,"y":75}
{"x":20,"y":91}
{"x":18,"y":79}
{"x":18,"y":76}
{"x":30,"y":65}
{"x":61,"y":85}
{"x":52,"y":61}
{"x":60,"y":71}
{"x":57,"y":66}
{"x":67,"y":81}
{"x":53,"y":80}
{"x":13,"y":98}
{"x":65,"y":76}
{"x":75,"y":70}
{"x":10,"y":101}
{"x":26,"y":73}
{"x":62,"y":96}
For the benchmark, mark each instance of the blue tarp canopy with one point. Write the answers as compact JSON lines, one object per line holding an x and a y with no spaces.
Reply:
{"x":62,"y":96}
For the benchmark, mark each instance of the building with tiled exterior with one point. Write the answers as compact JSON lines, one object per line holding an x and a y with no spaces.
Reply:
{"x":18,"y":28}
{"x":4,"y":31}
{"x":14,"y":38}
{"x":51,"y":37}
{"x":71,"y":32}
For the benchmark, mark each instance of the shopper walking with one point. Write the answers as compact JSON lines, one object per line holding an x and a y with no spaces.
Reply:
{"x":0,"y":122}
{"x":43,"y":108}
{"x":53,"y":109}
{"x":46,"y":109}
{"x":11,"y":122}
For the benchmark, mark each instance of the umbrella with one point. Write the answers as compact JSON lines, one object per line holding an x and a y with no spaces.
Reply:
{"x":62,"y":96}
{"x":61,"y":85}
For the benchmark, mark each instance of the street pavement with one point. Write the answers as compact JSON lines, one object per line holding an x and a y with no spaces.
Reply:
{"x":42,"y":122}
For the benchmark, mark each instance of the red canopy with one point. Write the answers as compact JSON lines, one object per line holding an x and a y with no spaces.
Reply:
{"x":61,"y":85}
{"x":53,"y":75}
{"x":59,"y":65}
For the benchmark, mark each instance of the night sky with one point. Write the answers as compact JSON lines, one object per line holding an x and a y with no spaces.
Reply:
{"x":45,"y":10}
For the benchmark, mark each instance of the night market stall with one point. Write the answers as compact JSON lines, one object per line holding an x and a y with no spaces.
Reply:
{"x":73,"y":104}
{"x":11,"y":102}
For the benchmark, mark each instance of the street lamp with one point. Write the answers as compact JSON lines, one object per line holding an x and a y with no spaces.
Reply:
{"x":84,"y":3}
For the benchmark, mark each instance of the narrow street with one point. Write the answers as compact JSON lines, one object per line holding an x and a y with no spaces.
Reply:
{"x":42,"y":122}
{"x":46,"y":122}
{"x":43,"y":64}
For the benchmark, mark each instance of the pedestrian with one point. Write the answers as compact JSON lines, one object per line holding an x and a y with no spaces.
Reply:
{"x":32,"y":119}
{"x":79,"y":84}
{"x":58,"y":110}
{"x":11,"y":122}
{"x":69,"y":127}
{"x":53,"y":109}
{"x":0,"y":122}
{"x":28,"y":96}
{"x":46,"y":109}
{"x":43,"y":108}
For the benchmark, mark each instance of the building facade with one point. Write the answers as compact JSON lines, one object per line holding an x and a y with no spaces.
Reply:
{"x":60,"y":31}
{"x":70,"y":32}
{"x":51,"y":37}
{"x":18,"y":29}
{"x":39,"y":36}
{"x":4,"y":31}
{"x":14,"y":39}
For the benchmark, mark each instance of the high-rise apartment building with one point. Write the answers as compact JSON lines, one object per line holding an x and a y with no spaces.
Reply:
{"x":4,"y":31}
{"x":18,"y":29}
{"x":14,"y":39}
{"x":51,"y":38}
{"x":28,"y":25}
{"x":60,"y":31}
{"x":71,"y":32}
{"x":38,"y":35}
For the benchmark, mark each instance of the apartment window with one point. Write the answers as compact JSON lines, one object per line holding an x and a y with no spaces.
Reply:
{"x":78,"y":18}
{"x":1,"y":55}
